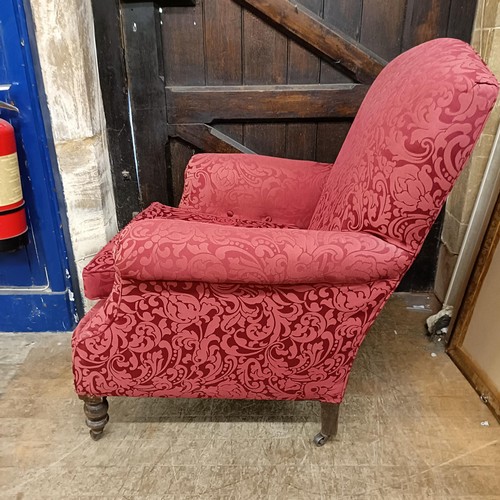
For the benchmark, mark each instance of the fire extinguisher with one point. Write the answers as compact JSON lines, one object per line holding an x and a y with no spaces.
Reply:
{"x":13,"y":227}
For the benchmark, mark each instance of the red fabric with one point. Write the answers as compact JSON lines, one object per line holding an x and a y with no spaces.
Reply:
{"x":411,"y":137}
{"x":254,"y":187}
{"x":191,"y":340}
{"x":99,"y":273}
{"x":176,"y":250}
{"x":175,"y":338}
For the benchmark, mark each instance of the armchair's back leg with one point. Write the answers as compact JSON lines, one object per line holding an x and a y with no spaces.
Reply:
{"x":96,"y":411}
{"x":329,"y":423}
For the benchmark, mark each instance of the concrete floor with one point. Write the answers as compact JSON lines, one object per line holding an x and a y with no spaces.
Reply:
{"x":410,"y":427}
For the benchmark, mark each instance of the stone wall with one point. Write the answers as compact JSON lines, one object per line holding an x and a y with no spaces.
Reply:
{"x":486,"y":40}
{"x":64,"y":33}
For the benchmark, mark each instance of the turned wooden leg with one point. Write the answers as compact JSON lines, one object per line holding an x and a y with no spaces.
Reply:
{"x":329,"y":423}
{"x":96,"y":411}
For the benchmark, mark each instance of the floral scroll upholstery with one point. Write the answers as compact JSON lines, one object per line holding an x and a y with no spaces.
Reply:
{"x":209,"y":308}
{"x":99,"y":273}
{"x":192,"y":251}
{"x":411,"y":137}
{"x":254,"y":187}
{"x":237,"y":341}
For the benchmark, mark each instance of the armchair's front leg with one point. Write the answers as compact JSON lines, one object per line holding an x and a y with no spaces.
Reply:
{"x":96,"y":411}
{"x":329,"y":423}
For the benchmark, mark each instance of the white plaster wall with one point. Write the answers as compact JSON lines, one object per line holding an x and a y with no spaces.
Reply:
{"x":66,"y":45}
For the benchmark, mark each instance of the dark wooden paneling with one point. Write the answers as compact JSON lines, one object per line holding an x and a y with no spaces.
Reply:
{"x":223,"y":51}
{"x":184,"y":56}
{"x":183,"y":45}
{"x":265,"y":53}
{"x":147,"y":98}
{"x":461,"y":19}
{"x":331,"y":136}
{"x":113,"y":79}
{"x":300,"y":141}
{"x":265,"y":63}
{"x":382,"y":26}
{"x":330,"y":42}
{"x":222,"y":20}
{"x":425,"y":20}
{"x":303,"y":68}
{"x":251,"y":102}
{"x":346,"y":16}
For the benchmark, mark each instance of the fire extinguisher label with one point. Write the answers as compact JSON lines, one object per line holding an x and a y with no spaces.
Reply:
{"x":10,"y":180}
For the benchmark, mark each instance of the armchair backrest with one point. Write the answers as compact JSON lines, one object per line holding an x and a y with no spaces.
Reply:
{"x":408,"y":143}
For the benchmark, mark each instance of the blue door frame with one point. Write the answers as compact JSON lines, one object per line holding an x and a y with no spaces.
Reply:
{"x":36,"y":288}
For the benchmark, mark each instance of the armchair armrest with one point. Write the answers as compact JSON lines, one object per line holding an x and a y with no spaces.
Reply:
{"x":174,"y":250}
{"x":254,"y":187}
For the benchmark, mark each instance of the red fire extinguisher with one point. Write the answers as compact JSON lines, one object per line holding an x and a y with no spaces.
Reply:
{"x":13,"y":227}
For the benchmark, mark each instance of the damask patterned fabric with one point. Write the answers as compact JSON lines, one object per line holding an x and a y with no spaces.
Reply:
{"x":411,"y":137}
{"x":176,"y":250}
{"x":200,"y":308}
{"x":182,"y":339}
{"x":99,"y":273}
{"x":254,"y":187}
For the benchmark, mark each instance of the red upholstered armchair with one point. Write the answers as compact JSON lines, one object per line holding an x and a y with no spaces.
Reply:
{"x":264,"y":282}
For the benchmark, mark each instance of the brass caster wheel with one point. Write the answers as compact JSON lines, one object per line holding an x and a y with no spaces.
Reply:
{"x":320,"y":439}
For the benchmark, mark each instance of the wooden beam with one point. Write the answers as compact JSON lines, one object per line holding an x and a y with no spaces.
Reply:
{"x":310,"y":30}
{"x":113,"y":81}
{"x":207,"y":138}
{"x":252,"y":102}
{"x":141,"y":31}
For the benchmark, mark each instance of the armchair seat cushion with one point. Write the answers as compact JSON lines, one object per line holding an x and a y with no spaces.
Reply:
{"x":99,"y":274}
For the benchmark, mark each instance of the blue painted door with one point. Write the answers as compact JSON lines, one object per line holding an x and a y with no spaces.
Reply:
{"x":35,"y":283}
